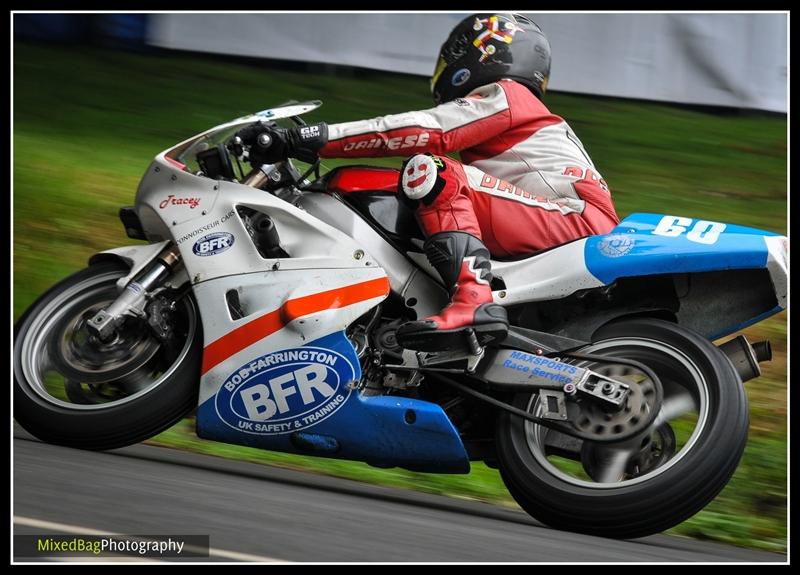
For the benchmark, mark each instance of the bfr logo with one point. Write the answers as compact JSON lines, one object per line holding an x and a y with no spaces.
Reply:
{"x":213,"y":244}
{"x":285,"y":391}
{"x":263,"y":401}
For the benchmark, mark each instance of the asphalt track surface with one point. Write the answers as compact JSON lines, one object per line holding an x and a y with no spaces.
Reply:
{"x":255,"y":512}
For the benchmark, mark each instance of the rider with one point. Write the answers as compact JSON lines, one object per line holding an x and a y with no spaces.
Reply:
{"x":525,"y":182}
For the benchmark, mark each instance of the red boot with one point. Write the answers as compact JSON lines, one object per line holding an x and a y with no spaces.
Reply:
{"x":463,"y":262}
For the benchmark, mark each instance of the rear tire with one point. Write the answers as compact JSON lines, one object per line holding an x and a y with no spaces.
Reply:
{"x":644,"y":498}
{"x":76,"y":414}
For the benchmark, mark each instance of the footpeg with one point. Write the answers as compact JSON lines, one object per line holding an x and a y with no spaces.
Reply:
{"x":436,"y":360}
{"x":476,"y":351}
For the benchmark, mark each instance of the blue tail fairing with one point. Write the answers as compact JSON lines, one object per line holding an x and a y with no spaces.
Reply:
{"x":651,"y":244}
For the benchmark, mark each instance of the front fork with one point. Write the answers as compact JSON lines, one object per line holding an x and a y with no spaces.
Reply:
{"x":133,"y":299}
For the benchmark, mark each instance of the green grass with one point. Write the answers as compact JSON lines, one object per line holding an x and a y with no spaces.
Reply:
{"x":87,"y":124}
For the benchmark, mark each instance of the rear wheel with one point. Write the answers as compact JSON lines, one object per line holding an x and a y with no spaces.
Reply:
{"x":72,"y":389}
{"x":655,"y":480}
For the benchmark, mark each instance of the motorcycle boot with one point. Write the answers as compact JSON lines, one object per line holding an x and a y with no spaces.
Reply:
{"x":463,"y":262}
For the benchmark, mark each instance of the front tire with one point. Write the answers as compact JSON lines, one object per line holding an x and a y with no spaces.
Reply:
{"x":649,"y":484}
{"x":132,"y":388}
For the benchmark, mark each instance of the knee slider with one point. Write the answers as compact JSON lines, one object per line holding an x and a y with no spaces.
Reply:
{"x":419,"y":178}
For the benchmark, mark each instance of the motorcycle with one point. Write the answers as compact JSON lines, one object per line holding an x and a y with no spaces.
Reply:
{"x":269,"y":299}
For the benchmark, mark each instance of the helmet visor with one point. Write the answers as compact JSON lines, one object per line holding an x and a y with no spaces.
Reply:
{"x":440,"y":66}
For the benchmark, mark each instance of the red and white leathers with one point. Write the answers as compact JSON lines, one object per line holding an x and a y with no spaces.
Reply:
{"x":526,"y":182}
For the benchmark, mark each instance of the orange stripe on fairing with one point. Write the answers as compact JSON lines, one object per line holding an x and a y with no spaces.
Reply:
{"x":332,"y":299}
{"x":233,"y":342}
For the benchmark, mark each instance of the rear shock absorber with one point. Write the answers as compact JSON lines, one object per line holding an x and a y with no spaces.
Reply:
{"x":132,"y":300}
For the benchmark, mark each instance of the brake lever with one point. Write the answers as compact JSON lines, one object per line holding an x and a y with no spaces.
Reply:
{"x":236,"y":146}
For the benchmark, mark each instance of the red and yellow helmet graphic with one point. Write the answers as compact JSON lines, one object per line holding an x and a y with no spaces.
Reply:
{"x":494,"y":27}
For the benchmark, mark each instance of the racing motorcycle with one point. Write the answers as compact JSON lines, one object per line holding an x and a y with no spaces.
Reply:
{"x":268,"y":300}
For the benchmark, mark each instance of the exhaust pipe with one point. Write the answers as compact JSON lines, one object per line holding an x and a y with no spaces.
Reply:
{"x":745,"y":356}
{"x":763,"y":350}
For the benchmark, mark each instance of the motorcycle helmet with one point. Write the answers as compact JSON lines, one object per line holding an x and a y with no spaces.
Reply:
{"x":485,"y":48}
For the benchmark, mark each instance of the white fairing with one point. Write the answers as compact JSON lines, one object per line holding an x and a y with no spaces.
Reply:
{"x":553,"y":274}
{"x":330,"y":279}
{"x":778,"y":266}
{"x":421,"y":292}
{"x":193,"y":207}
{"x":269,"y":295}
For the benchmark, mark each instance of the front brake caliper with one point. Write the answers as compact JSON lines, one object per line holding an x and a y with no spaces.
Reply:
{"x":160,"y":317}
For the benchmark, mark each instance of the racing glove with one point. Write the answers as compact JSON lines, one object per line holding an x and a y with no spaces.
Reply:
{"x":270,"y":143}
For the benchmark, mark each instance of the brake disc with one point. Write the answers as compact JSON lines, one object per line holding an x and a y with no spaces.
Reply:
{"x":80,"y":356}
{"x":599,"y":423}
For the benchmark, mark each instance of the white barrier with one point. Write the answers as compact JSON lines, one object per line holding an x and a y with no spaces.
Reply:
{"x":737,"y":60}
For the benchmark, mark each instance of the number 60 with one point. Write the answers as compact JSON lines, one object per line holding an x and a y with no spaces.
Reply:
{"x":703,"y":232}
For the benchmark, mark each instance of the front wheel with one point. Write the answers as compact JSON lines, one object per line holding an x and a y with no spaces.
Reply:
{"x":72,"y":389}
{"x":654,"y":481}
